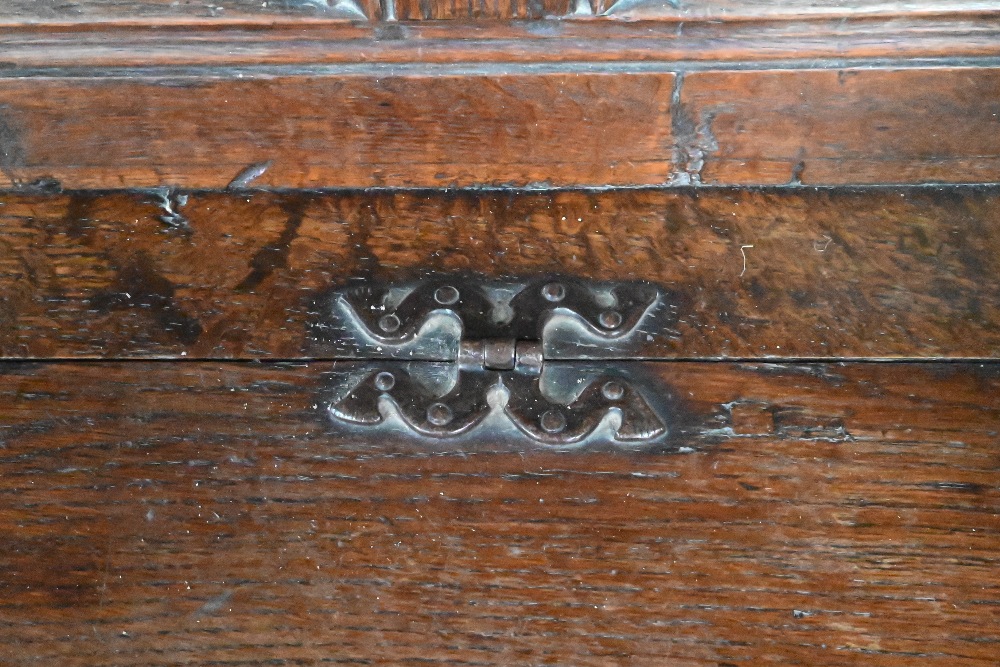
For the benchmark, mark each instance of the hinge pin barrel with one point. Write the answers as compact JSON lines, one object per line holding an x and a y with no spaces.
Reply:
{"x":501,"y":354}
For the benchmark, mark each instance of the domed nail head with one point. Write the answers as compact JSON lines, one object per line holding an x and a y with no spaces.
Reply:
{"x":610,"y":319}
{"x":612,"y":390}
{"x":552,"y":421}
{"x":446,"y":295}
{"x":439,"y":414}
{"x":385,"y":381}
{"x":554,"y":292}
{"x":389,"y":323}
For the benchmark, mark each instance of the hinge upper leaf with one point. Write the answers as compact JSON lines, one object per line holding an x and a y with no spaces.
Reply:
{"x":428,"y":319}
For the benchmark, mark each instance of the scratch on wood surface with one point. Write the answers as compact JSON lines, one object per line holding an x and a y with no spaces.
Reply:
{"x":12,"y":154}
{"x":797,"y":171}
{"x":248,"y":175}
{"x":743,"y":251}
{"x":215,"y":604}
{"x":693,"y":138}
{"x":822,"y":244}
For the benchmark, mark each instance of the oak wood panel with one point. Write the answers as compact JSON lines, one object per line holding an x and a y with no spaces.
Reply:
{"x":876,"y":126}
{"x":784,"y":273}
{"x":449,"y":128}
{"x":419,"y":130}
{"x":203,"y":513}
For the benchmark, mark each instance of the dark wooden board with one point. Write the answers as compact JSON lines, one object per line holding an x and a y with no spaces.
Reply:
{"x":205,"y":509}
{"x":782,"y":273}
{"x":572,"y":125}
{"x":204,"y":513}
{"x":876,"y":126}
{"x":109,"y":94}
{"x":330,"y":130}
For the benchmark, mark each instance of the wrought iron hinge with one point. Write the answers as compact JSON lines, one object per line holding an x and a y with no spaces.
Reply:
{"x":528,"y":350}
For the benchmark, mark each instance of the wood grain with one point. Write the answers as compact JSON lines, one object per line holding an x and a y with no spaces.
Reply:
{"x":421,"y":130}
{"x":202,"y":513}
{"x":436,"y":129}
{"x":783,"y":274}
{"x":876,"y":126}
{"x":184,"y":498}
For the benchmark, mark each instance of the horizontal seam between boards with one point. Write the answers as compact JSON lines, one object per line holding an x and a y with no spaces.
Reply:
{"x":781,"y":361}
{"x":780,"y":188}
{"x":245,"y":72}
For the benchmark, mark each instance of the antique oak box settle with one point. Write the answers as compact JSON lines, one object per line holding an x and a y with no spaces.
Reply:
{"x":499,"y":332}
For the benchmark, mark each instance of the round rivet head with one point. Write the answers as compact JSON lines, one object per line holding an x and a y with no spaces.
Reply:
{"x":612,"y":390}
{"x":554,"y":292}
{"x":388,"y":323}
{"x":439,"y":414}
{"x":446,"y":295}
{"x":552,"y":421}
{"x":610,"y":319}
{"x":385,"y":381}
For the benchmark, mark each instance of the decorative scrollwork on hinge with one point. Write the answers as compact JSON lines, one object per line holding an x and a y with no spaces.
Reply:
{"x":486,"y":353}
{"x":426,"y":318}
{"x":391,"y":390}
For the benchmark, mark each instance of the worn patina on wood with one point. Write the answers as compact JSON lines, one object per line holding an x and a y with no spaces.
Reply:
{"x":195,"y":469}
{"x":147,"y":94}
{"x":779,"y":274}
{"x":202,"y":513}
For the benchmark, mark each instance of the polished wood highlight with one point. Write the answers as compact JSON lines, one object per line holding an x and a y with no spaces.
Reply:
{"x":787,"y":273}
{"x":167,"y":12}
{"x":721,"y":10}
{"x":203,"y":513}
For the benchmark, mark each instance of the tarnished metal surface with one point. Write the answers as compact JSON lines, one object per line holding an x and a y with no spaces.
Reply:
{"x":481,"y":354}
{"x":427,"y":319}
{"x":567,"y":404}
